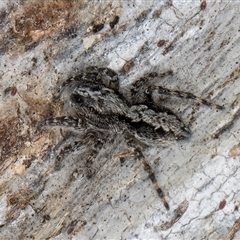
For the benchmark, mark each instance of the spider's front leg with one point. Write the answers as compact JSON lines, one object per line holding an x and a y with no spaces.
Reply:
{"x":93,"y":77}
{"x":106,"y":76}
{"x":96,"y":75}
{"x":63,"y":121}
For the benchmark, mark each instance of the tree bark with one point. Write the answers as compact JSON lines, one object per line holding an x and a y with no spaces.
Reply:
{"x":43,"y":43}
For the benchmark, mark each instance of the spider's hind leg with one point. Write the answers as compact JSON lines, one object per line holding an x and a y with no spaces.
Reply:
{"x":151,"y":175}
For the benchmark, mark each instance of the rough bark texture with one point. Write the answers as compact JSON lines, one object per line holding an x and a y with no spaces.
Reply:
{"x":43,"y":43}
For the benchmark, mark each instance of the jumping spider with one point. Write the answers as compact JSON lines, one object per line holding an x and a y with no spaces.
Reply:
{"x":94,"y":105}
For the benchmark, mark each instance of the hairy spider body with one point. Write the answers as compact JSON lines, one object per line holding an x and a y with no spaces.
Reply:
{"x":94,"y":97}
{"x":93,"y":103}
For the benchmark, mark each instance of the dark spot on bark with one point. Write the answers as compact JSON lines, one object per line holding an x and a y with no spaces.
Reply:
{"x":114,"y":22}
{"x":98,"y":27}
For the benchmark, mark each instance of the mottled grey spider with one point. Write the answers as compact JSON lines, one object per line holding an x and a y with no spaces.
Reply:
{"x":93,"y":103}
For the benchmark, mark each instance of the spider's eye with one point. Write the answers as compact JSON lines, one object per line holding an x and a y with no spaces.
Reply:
{"x":76,"y":98}
{"x":91,"y":108}
{"x":95,"y":88}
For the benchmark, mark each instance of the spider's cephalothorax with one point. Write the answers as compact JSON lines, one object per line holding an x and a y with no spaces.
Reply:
{"x":92,"y":102}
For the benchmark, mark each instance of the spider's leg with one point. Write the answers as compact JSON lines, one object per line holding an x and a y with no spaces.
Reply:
{"x":97,"y":75}
{"x":65,"y":150}
{"x":63,"y":121}
{"x":153,"y":75}
{"x":62,"y":149}
{"x":109,"y":78}
{"x":141,"y":90}
{"x":94,"y":140}
{"x":187,"y":95}
{"x":151,"y":175}
{"x":90,"y":141}
{"x":71,"y":140}
{"x":91,"y":76}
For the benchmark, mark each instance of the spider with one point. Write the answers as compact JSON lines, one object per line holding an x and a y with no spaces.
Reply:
{"x":94,"y":106}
